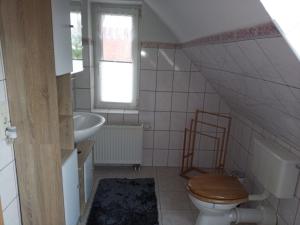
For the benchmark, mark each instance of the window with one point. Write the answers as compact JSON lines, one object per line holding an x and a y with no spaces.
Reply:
{"x":76,"y":36}
{"x":115,"y":32}
{"x":286,"y":16}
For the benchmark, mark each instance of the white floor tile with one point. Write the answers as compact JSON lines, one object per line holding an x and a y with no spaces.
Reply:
{"x":168,"y":172}
{"x":174,"y":201}
{"x":179,"y":218}
{"x":174,"y":206}
{"x":172,"y":184}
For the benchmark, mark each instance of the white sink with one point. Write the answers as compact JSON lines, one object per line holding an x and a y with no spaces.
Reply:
{"x":86,"y":124}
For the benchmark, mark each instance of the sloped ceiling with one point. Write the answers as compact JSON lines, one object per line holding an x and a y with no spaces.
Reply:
{"x":258,"y":77}
{"x":153,"y":29}
{"x":190,"y":19}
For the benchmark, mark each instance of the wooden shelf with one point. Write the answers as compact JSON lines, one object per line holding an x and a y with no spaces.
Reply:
{"x":28,"y":58}
{"x":65,"y":112}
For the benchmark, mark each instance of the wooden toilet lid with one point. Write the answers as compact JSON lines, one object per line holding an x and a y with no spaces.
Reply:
{"x":217,"y":189}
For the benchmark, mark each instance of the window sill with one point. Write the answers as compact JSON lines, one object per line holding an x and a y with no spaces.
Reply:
{"x":74,"y":73}
{"x":116,"y":111}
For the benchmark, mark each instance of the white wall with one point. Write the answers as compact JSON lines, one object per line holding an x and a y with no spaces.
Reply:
{"x":153,"y":29}
{"x":192,"y":19}
{"x":171,"y":89}
{"x":8,"y":179}
{"x":240,"y":154}
{"x":258,"y":78}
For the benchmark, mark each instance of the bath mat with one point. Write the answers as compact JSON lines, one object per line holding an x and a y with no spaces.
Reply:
{"x":124,"y":202}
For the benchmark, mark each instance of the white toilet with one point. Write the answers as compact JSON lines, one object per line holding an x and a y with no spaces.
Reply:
{"x":217,"y":196}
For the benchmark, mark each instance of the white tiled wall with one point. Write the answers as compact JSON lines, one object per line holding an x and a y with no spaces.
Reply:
{"x":260,"y":78}
{"x":171,"y":89}
{"x":8,"y":179}
{"x":239,"y":157}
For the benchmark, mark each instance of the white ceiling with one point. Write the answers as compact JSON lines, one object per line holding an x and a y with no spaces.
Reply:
{"x":190,"y":19}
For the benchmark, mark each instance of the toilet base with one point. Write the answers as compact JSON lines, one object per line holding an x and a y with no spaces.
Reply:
{"x":209,"y":219}
{"x":261,"y":216}
{"x":225,"y":214}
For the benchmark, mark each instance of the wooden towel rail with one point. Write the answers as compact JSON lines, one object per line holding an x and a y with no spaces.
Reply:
{"x":220,"y":138}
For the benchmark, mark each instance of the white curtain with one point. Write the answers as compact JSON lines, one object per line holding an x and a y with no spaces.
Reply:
{"x":115,"y":33}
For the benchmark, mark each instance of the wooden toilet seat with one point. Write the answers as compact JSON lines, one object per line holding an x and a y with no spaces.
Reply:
{"x":217,"y":189}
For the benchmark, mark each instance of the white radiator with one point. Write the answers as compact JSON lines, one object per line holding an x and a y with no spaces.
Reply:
{"x":118,"y":144}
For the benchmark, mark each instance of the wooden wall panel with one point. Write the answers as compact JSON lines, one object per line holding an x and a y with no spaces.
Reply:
{"x":1,"y":214}
{"x":65,"y":110}
{"x":26,"y":36}
{"x":64,"y":92}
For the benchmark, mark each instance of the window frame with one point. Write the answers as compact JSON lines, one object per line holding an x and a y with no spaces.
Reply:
{"x":76,"y":7}
{"x":99,"y":9}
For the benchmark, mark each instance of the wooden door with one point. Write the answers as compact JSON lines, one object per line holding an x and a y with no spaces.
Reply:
{"x":28,"y":55}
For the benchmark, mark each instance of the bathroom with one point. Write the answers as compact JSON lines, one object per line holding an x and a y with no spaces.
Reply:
{"x":75,"y":134}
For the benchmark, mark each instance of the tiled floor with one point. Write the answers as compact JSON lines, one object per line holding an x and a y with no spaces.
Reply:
{"x":175,"y":208}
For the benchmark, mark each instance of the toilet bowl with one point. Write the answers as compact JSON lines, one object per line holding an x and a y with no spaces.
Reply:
{"x":215,"y":196}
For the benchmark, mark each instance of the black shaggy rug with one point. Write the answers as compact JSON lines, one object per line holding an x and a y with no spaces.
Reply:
{"x":124,"y":202}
